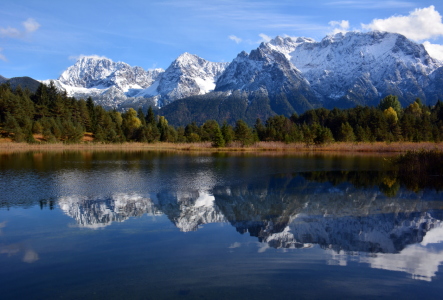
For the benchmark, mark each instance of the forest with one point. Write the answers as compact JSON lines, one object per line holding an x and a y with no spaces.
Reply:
{"x":50,"y":116}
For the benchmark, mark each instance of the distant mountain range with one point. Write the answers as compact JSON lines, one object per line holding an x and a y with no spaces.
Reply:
{"x":283,"y":76}
{"x":23,"y":82}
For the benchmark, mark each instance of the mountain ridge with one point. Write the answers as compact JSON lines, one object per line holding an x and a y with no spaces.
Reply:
{"x":290,"y":74}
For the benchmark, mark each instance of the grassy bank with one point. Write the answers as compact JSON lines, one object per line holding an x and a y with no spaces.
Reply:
{"x":378,"y":147}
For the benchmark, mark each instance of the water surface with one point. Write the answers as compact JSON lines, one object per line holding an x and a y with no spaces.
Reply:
{"x":149,"y":225}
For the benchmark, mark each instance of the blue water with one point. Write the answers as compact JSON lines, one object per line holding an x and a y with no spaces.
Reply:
{"x":144,"y":225}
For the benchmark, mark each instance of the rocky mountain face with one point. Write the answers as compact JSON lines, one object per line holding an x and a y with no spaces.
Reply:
{"x":108,"y":83}
{"x":100,"y":213}
{"x":93,"y":72}
{"x":290,"y":74}
{"x":282,"y":212}
{"x":360,"y":68}
{"x":117,"y":84}
{"x":270,"y":72}
{"x":188,"y":75}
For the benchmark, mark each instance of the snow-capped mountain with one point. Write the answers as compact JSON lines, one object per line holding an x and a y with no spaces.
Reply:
{"x":361,"y":67}
{"x":288,"y":75}
{"x":99,"y":213}
{"x":295,"y":74}
{"x":190,"y":209}
{"x":188,"y":75}
{"x":113,"y":83}
{"x":271,"y":72}
{"x":293,"y":212}
{"x":109,"y":83}
{"x":101,"y":73}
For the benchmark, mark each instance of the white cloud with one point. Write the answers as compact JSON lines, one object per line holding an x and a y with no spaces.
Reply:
{"x":77,"y":57}
{"x":30,"y":26}
{"x":235,"y":39}
{"x":264,"y":38}
{"x":339,"y":26}
{"x":420,"y":24}
{"x":235,"y":245}
{"x":434,"y":50}
{"x":30,"y":256}
{"x":10,"y":32}
{"x":2,"y":57}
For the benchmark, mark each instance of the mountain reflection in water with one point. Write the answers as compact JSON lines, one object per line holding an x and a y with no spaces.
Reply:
{"x":364,"y":217}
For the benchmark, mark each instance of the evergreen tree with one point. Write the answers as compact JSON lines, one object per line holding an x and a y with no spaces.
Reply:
{"x":141,"y":116}
{"x":243,"y":133}
{"x":217,"y":139}
{"x":13,"y":129}
{"x":208,"y":130}
{"x":390,"y":101}
{"x":150,"y":117}
{"x":260,"y":129}
{"x":227,"y":132}
{"x":346,"y":133}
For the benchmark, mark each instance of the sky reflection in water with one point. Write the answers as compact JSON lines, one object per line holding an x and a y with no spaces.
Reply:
{"x":195,"y":226}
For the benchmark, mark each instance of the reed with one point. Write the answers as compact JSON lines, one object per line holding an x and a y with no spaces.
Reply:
{"x":378,"y":147}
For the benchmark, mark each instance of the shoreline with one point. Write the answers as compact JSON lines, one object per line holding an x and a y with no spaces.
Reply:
{"x":345,"y":148}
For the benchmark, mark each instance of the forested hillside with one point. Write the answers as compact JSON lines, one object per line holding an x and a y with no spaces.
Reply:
{"x":49,"y":116}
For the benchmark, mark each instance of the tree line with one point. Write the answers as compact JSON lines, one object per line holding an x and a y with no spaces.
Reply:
{"x":55,"y":117}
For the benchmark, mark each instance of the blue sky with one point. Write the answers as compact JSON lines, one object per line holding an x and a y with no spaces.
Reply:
{"x":42,"y":38}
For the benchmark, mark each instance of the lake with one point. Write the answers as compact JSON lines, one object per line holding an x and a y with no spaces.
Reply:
{"x":158,"y":225}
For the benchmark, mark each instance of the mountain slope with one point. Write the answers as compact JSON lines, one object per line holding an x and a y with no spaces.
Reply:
{"x":286,"y":75}
{"x":188,"y":75}
{"x":24,"y":82}
{"x":114,"y":84}
{"x":361,"y":68}
{"x":108,"y":83}
{"x":270,"y":72}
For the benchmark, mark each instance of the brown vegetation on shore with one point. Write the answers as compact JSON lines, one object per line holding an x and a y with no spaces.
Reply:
{"x":343,"y":147}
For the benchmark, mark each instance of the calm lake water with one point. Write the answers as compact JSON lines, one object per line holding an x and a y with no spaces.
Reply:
{"x":146,"y":225}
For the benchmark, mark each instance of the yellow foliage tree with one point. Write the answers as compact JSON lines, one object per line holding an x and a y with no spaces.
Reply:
{"x":414,"y":109}
{"x":391,"y":115}
{"x":131,"y":123}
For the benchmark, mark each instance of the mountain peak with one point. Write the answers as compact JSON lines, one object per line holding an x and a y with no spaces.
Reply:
{"x":188,"y":58}
{"x":341,"y":70}
{"x":287,"y":44}
{"x":189,"y":75}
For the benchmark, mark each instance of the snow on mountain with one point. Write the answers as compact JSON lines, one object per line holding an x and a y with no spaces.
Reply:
{"x":109,"y":83}
{"x":113,"y":83}
{"x":263,"y":68}
{"x":270,"y":73}
{"x":188,"y":75}
{"x":190,"y":209}
{"x":362,"y":66}
{"x":341,"y":70}
{"x":102,"y":73}
{"x":99,"y":213}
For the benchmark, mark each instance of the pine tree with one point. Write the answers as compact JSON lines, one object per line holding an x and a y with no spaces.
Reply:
{"x":346,"y":133}
{"x":390,"y":101}
{"x":141,"y":116}
{"x":227,"y":132}
{"x":150,"y":117}
{"x":243,"y":133}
